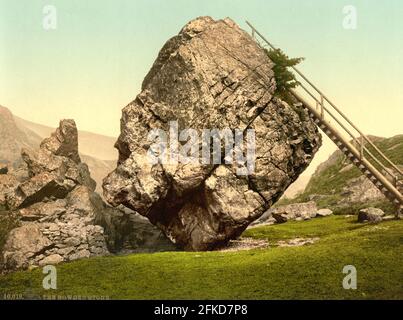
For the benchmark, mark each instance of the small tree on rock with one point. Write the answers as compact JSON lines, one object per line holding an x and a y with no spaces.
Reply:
{"x":285,"y":79}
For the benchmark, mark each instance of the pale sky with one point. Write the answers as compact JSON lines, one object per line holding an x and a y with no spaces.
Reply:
{"x":93,"y":64}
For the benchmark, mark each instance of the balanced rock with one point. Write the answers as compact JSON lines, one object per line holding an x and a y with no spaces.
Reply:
{"x":212,"y":75}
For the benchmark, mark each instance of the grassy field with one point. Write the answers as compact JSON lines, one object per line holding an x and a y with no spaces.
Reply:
{"x":308,"y":272}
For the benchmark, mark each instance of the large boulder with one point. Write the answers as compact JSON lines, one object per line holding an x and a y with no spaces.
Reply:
{"x":212,"y":75}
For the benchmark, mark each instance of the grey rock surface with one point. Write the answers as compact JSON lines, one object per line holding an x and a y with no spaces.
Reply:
{"x":324,"y":213}
{"x":361,"y":189}
{"x":295,"y":211}
{"x":370,"y":215}
{"x":55,"y":204}
{"x":211,"y":75}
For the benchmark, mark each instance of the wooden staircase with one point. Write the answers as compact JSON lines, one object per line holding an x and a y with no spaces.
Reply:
{"x":357,"y":147}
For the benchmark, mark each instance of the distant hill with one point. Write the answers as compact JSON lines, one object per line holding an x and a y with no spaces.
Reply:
{"x":338,"y":184}
{"x":92,"y":144}
{"x":13,"y":139}
{"x":16,"y":133}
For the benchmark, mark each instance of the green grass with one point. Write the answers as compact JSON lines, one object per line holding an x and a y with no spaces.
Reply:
{"x":308,"y":272}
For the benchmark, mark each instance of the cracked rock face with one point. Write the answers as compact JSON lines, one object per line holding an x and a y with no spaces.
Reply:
{"x":55,"y":204}
{"x":56,"y":214}
{"x":211,"y":75}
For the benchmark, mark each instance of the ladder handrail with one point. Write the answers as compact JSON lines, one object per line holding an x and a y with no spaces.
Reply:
{"x":323,"y":96}
{"x":360,"y":144}
{"x":392,"y":192}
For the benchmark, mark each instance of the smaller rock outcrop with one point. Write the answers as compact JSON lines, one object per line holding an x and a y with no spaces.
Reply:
{"x":56,"y":215}
{"x":324,"y":213}
{"x":55,"y":204}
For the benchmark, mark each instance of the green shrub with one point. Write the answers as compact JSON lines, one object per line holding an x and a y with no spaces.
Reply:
{"x":285,"y":79}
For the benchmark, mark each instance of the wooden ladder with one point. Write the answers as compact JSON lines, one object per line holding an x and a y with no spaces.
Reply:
{"x":374,"y":164}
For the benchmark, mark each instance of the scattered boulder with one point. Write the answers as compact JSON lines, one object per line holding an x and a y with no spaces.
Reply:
{"x":370,"y":215}
{"x":51,"y":260}
{"x":266,"y":219}
{"x":211,"y":75}
{"x":295,"y":211}
{"x":324,"y":213}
